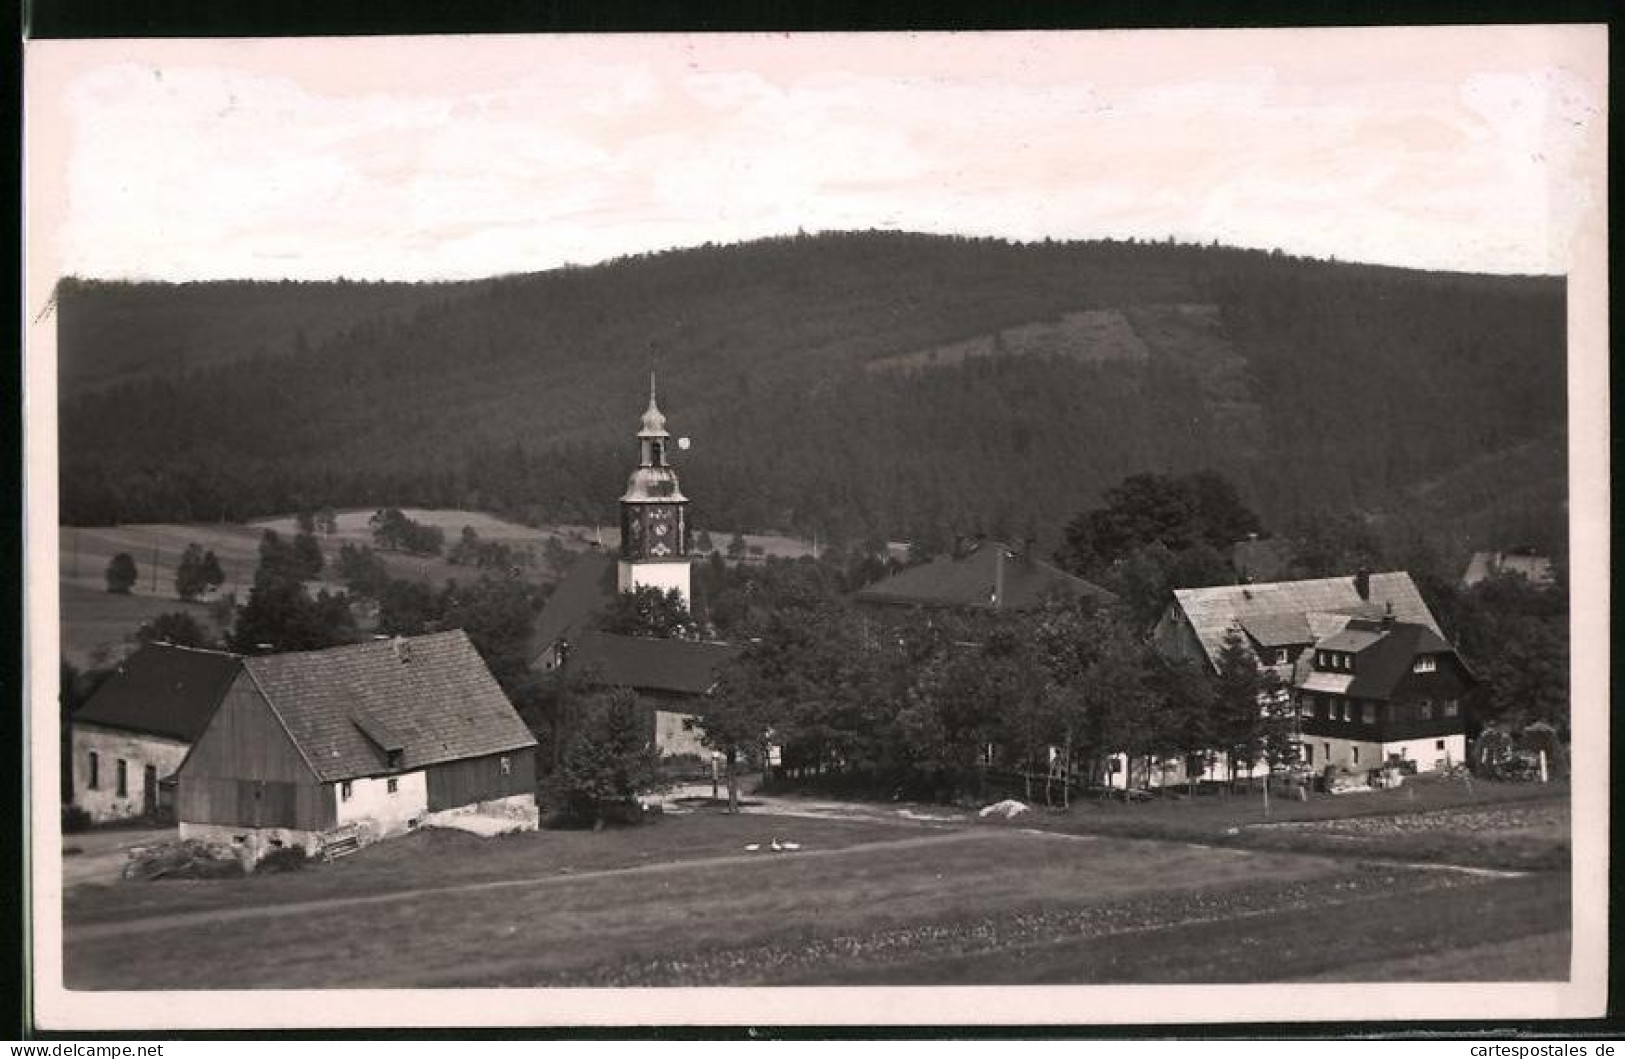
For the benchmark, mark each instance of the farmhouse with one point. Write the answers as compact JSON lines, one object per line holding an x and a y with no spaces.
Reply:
{"x":1536,"y":569}
{"x":1368,"y":668}
{"x":994,"y":576}
{"x":669,"y":676}
{"x":357,"y":742}
{"x":133,"y":733}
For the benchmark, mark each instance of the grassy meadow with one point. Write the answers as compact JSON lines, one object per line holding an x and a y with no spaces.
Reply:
{"x":683,"y":902}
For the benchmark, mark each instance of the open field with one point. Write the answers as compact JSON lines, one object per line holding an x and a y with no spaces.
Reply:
{"x":94,"y":620}
{"x":96,"y":623}
{"x":865,"y":900}
{"x":1491,"y":825}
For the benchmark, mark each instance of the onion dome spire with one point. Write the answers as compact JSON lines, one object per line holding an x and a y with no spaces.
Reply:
{"x":654,"y":423}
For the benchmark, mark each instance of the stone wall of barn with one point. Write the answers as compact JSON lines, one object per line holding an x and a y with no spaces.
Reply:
{"x":383,"y":811}
{"x":103,"y":800}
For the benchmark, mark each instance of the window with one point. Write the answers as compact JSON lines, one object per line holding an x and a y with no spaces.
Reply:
{"x":1368,"y":713}
{"x":507,"y":766}
{"x":1438,"y":744}
{"x":393,"y":785}
{"x":1281,"y":657}
{"x":95,"y":771}
{"x":1424,"y":664}
{"x":1424,"y":709}
{"x":345,"y":790}
{"x":1356,"y":752}
{"x":123,"y":778}
{"x":1451,"y":708}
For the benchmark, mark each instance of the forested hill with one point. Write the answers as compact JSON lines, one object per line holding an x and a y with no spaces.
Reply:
{"x":848,"y":384}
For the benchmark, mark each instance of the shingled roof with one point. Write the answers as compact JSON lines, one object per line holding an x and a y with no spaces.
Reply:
{"x":429,"y":698}
{"x":162,"y":690}
{"x":1324,"y":603}
{"x":992,"y":577}
{"x":586,"y":588}
{"x":685,"y":667}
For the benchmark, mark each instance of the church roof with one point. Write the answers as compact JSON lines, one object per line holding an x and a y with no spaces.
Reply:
{"x":975,"y":582}
{"x":587,"y":587}
{"x":654,"y":423}
{"x":684,"y":667}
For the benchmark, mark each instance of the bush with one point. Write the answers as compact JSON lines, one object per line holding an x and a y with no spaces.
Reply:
{"x":74,"y":820}
{"x":287,"y":858}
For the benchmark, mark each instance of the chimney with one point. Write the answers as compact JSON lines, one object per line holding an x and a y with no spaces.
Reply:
{"x":1362,"y":582}
{"x":1388,"y":617}
{"x":403,"y":650}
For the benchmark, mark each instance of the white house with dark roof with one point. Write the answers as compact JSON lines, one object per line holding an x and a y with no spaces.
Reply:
{"x":132,"y":734}
{"x":364,"y":741}
{"x":1371,"y":674}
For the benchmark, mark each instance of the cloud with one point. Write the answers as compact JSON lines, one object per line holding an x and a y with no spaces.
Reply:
{"x":452,"y":157}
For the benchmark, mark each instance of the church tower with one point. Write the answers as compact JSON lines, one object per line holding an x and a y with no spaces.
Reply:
{"x":654,"y":520}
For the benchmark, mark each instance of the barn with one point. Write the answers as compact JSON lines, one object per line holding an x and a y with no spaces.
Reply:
{"x":356,"y":743}
{"x":133,"y":733}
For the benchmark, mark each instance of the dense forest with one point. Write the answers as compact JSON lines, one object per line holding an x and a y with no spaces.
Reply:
{"x":1314,"y":386}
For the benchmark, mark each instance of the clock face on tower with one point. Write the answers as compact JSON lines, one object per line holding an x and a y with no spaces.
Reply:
{"x":661,"y":542}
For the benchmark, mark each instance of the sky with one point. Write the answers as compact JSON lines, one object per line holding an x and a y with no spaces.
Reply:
{"x":460,"y":157}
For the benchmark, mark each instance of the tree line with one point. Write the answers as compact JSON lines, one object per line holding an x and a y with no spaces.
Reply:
{"x":1350,"y":387}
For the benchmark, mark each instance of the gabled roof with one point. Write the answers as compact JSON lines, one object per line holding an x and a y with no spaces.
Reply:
{"x":586,"y":588}
{"x":1380,"y":667}
{"x":1325,"y":603}
{"x":1278,"y":630}
{"x":686,"y":667}
{"x":431,"y":697}
{"x":975,"y":582}
{"x":162,"y":690}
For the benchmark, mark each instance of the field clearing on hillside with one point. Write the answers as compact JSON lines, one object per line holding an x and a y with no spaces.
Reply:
{"x":682,"y":903}
{"x":97,"y":624}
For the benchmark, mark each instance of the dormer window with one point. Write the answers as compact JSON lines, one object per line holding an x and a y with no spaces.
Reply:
{"x":1424,"y":664}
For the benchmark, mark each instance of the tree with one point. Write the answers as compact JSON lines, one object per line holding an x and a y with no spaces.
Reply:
{"x":1249,"y":718}
{"x":175,"y":627}
{"x":307,"y":556}
{"x":327,"y":521}
{"x":191,"y":576}
{"x":703,"y":542}
{"x":609,"y":761}
{"x":407,"y":608}
{"x":360,"y":570}
{"x":281,"y":616}
{"x":1174,"y":511}
{"x":731,"y":721}
{"x":121,"y":574}
{"x":648,"y":612}
{"x":499,"y":616}
{"x":556,"y":556}
{"x":736,"y":546}
{"x":213,"y":576}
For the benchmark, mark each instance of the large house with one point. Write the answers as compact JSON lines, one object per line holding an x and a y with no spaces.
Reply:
{"x":993,"y":576}
{"x":1371,"y":675}
{"x":357,"y":742}
{"x":131,"y":735}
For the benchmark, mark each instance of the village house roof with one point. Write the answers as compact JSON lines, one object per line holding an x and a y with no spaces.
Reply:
{"x":1383,"y":655}
{"x":389,"y":705}
{"x":1536,"y":569}
{"x":992,"y":577}
{"x":1324,"y":604}
{"x":162,"y":690}
{"x":586,"y":588}
{"x":684,"y":667}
